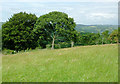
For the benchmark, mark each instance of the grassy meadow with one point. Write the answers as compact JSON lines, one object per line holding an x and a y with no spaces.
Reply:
{"x":97,"y":63}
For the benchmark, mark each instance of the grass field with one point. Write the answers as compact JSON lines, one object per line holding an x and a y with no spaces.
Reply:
{"x":79,"y":64}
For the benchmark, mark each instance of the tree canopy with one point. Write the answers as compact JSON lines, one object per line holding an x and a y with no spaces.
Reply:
{"x":54,"y":24}
{"x":17,"y":32}
{"x":113,"y":37}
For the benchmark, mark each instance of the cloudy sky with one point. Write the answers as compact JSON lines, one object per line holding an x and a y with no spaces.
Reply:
{"x":83,"y":11}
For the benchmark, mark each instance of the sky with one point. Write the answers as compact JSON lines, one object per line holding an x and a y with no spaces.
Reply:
{"x":88,"y":12}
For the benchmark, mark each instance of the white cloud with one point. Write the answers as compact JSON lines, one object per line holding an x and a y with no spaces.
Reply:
{"x":86,"y":13}
{"x":102,"y":15}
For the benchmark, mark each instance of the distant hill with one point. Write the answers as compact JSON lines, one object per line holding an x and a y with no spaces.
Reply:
{"x":90,"y":28}
{"x":95,"y":28}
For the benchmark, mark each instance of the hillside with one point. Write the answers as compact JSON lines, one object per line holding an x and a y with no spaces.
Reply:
{"x":90,"y":28}
{"x":98,"y":63}
{"x":95,"y":28}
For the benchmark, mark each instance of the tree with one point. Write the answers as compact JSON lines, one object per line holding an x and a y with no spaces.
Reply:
{"x":105,"y":36}
{"x":17,"y":33}
{"x":118,"y":34}
{"x":0,"y":40}
{"x":89,"y":38}
{"x":98,"y":39}
{"x":73,"y":37}
{"x":54,"y":24}
{"x":113,"y":37}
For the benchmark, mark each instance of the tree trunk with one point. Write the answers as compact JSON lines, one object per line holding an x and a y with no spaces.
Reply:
{"x":102,"y":41}
{"x":117,"y":42}
{"x":72,"y":43}
{"x":53,"y":42}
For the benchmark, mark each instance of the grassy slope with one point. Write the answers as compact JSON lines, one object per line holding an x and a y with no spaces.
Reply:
{"x":79,"y":64}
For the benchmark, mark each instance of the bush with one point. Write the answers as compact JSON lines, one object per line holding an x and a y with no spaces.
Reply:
{"x":57,"y":46}
{"x":48,"y":46}
{"x":8,"y":51}
{"x":65,"y":45}
{"x":38,"y":47}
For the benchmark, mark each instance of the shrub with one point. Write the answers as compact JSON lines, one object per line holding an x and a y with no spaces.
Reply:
{"x":65,"y":45}
{"x":8,"y":51}
{"x":57,"y":46}
{"x":38,"y":47}
{"x":48,"y":46}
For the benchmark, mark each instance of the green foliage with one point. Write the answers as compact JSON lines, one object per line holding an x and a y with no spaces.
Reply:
{"x":113,"y":37}
{"x":88,"y":39}
{"x":97,"y":38}
{"x":119,"y":34}
{"x":8,"y":51}
{"x":0,"y":40}
{"x":57,"y":46}
{"x":39,"y":47}
{"x":105,"y":36}
{"x":52,"y":25}
{"x":17,"y":33}
{"x":48,"y":46}
{"x":25,"y":31}
{"x":64,"y":44}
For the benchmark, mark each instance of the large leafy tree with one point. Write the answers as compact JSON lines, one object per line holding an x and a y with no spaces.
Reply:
{"x":17,"y":32}
{"x":54,"y":24}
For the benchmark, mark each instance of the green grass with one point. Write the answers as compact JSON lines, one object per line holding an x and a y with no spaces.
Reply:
{"x":78,"y":64}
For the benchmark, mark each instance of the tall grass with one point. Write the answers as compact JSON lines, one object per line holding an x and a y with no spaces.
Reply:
{"x":78,"y":64}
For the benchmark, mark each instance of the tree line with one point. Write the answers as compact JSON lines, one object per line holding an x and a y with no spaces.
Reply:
{"x":98,"y":38}
{"x":53,"y":30}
